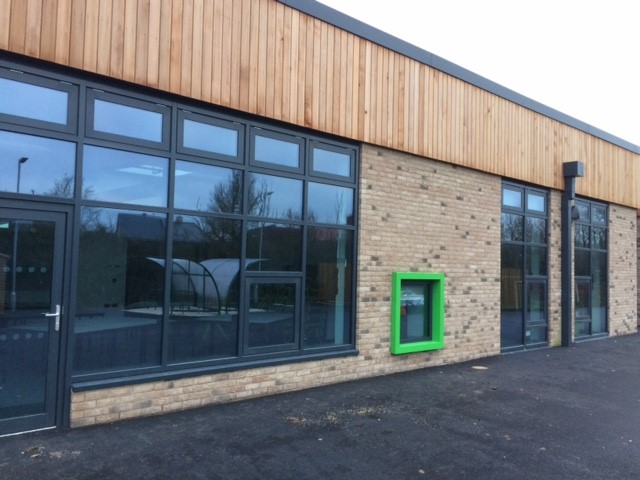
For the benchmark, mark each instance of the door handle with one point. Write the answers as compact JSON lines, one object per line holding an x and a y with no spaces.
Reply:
{"x":57,"y":315}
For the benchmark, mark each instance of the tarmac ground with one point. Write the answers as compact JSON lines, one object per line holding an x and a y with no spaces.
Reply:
{"x":559,"y":413}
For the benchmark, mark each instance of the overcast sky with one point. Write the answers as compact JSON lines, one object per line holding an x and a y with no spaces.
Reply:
{"x":581,"y":57}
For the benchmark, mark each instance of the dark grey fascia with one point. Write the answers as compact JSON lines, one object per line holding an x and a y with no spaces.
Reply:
{"x":361,"y":29}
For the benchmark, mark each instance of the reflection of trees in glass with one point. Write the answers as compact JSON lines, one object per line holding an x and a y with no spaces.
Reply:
{"x":599,"y":238}
{"x":536,"y":230}
{"x":582,"y":236}
{"x":512,"y":227}
{"x":63,"y":188}
{"x":91,"y":219}
{"x":227,"y":197}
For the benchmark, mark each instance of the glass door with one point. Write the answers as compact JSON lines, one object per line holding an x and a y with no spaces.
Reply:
{"x":31,"y":264}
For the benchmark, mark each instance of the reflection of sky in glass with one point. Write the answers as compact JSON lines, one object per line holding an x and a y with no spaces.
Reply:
{"x":278,"y":152}
{"x":330,"y":204}
{"x":32,"y":101}
{"x":210,"y":138}
{"x":128,"y":121}
{"x":125,"y":177}
{"x":331,"y":162}
{"x":49,"y":170}
{"x":196,"y":183}
{"x":511,"y":198}
{"x":535,"y":202}
{"x":275,"y":197}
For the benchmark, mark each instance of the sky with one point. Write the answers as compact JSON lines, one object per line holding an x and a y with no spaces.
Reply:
{"x":576,"y":56}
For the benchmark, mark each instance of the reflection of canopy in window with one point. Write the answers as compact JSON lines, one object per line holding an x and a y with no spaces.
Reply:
{"x":208,"y":283}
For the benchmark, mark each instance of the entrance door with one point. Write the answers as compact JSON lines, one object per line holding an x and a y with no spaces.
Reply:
{"x":31,"y":264}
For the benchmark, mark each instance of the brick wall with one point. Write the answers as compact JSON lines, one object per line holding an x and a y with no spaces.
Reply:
{"x":425,"y":216}
{"x":555,"y":269}
{"x":623,"y":270}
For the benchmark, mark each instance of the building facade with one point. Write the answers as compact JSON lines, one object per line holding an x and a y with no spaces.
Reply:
{"x":205,"y":201}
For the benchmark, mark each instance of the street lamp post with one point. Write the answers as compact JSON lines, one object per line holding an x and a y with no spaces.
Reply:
{"x":14,"y":260}
{"x":20,"y":162}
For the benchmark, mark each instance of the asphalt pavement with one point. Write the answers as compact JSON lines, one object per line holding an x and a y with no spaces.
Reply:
{"x":559,"y":413}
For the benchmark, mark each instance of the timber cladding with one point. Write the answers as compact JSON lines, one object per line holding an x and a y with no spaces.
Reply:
{"x":265,"y":58}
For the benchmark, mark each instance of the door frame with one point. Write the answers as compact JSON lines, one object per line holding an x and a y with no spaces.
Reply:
{"x":58,"y":409}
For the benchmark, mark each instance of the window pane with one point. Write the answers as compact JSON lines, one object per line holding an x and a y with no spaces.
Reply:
{"x":205,"y":273}
{"x":536,"y":202}
{"x":32,"y":101}
{"x":120,"y":290}
{"x":128,"y":121}
{"x":124,"y":177}
{"x":598,"y":292}
{"x":512,"y":227}
{"x":274,"y":247}
{"x":584,"y":211}
{"x":582,"y":265}
{"x":583,"y":300}
{"x":415,"y":311}
{"x":37,"y":166}
{"x":511,"y":295}
{"x":329,"y":282}
{"x":536,"y":302}
{"x":271,"y":314}
{"x":330,"y":204}
{"x":599,"y":238}
{"x":207,"y":188}
{"x":537,"y":261}
{"x":278,"y":152}
{"x":275,"y":197}
{"x":582,"y":235}
{"x":536,"y":230}
{"x":335,"y":163}
{"x":511,"y":198}
{"x":598,"y":215}
{"x":210,"y":138}
{"x":536,"y":334}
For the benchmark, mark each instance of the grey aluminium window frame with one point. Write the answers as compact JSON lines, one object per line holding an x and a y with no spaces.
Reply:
{"x":87,"y":86}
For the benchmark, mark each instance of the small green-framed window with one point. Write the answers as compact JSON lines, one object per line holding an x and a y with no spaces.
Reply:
{"x":417,"y":312}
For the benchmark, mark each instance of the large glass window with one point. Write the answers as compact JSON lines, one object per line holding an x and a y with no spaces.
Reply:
{"x":120,"y":290}
{"x":202,"y":240}
{"x":523,"y":267}
{"x":590,"y":269}
{"x":36,"y":165}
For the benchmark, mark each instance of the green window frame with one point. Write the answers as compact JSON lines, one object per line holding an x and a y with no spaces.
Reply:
{"x":432,"y":312}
